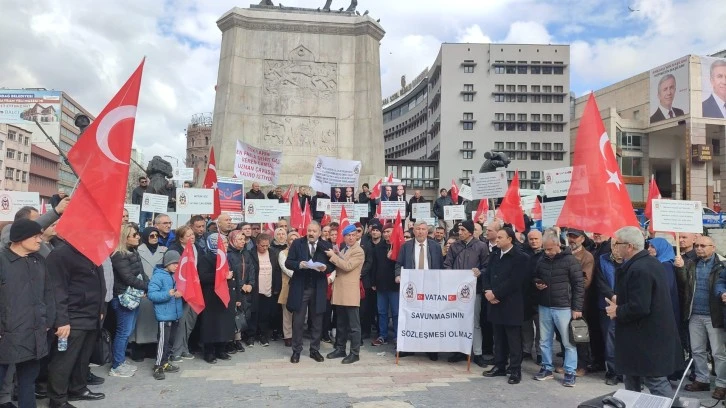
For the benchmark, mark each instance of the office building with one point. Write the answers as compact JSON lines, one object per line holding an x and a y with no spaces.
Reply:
{"x":44,"y":167}
{"x":16,"y":147}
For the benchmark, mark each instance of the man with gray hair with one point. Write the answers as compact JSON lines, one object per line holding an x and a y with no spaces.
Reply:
{"x":647,"y":345}
{"x":162,"y":222}
{"x":666,"y":94}
{"x":715,"y":105}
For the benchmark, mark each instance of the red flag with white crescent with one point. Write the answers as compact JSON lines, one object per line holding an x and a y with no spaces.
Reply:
{"x":376,"y":190}
{"x":341,"y":226}
{"x":397,"y":238}
{"x":221,"y":272}
{"x":537,"y":210}
{"x":454,"y":192}
{"x":286,"y":195}
{"x":510,"y":210}
{"x":101,"y":159}
{"x":187,"y":279}
{"x":307,"y":217}
{"x":210,"y":181}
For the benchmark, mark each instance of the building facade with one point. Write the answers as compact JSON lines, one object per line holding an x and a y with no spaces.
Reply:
{"x":16,"y":163}
{"x":660,"y":124}
{"x":476,"y":98}
{"x":199,"y":138}
{"x":44,"y":167}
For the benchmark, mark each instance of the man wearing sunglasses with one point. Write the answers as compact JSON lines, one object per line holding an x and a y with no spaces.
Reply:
{"x":701,"y":308}
{"x":162,"y":222}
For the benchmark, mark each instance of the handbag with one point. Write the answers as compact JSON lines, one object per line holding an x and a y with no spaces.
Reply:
{"x":240,"y":318}
{"x":102,"y":349}
{"x":362,"y":290}
{"x":579,"y":332}
{"x":131,"y":298}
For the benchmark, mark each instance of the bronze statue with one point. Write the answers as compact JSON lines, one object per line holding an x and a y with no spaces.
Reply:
{"x":160,"y":172}
{"x":351,"y":8}
{"x":266,"y":3}
{"x":494,"y":162}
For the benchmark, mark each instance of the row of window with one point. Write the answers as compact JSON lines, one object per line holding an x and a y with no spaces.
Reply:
{"x":534,"y":88}
{"x":17,"y":137}
{"x":526,"y":98}
{"x":16,"y":155}
{"x":403,"y":109}
{"x":534,"y":117}
{"x":522,"y":67}
{"x":533,"y":127}
{"x":558,"y":147}
{"x":19,"y":174}
{"x":69,"y":134}
{"x":40,"y":161}
{"x":42,"y":182}
{"x":514,"y":155}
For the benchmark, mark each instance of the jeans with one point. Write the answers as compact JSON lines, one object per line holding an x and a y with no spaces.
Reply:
{"x":703,"y":333}
{"x":143,"y":217}
{"x":26,"y":372}
{"x":656,"y":385}
{"x":125,"y":324}
{"x":607,"y":327}
{"x":549,"y":318}
{"x":386,"y":299}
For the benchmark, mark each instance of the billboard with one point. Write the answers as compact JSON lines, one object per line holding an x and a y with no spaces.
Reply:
{"x":22,"y":107}
{"x":713,"y":85}
{"x":669,"y":90}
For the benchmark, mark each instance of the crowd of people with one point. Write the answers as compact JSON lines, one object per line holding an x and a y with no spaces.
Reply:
{"x":646,"y":309}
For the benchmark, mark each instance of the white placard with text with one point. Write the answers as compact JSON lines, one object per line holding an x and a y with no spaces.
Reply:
{"x":12,"y":201}
{"x":389,"y":209}
{"x":454,"y":212}
{"x":154,"y":203}
{"x":257,"y":211}
{"x":420,"y":210}
{"x":489,"y":185}
{"x":195,"y":200}
{"x":677,"y":216}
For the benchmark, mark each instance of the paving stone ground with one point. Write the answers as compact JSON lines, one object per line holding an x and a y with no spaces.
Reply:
{"x":264,"y":377}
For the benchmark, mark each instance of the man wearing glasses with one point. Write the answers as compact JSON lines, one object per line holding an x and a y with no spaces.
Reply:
{"x":701,"y":308}
{"x":162,"y":222}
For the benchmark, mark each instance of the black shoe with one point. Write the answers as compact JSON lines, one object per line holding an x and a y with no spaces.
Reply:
{"x":594,"y":368}
{"x":295,"y":358}
{"x":402,"y":354}
{"x":209,"y":358}
{"x":239,"y":346}
{"x":39,"y":395}
{"x":336,"y":354}
{"x":433,"y":356}
{"x":315,"y":355}
{"x":250,"y":342}
{"x":51,"y":405}
{"x":230,"y":348}
{"x":456,"y":357}
{"x":515,"y":378}
{"x":350,"y":359}
{"x":326,"y":339}
{"x":478,"y":360}
{"x":489,"y":361}
{"x":93,"y":379}
{"x":86,"y":395}
{"x":222,"y":355}
{"x":495,"y":372}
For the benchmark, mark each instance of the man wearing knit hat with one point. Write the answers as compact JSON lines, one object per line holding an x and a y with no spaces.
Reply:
{"x":470,"y":253}
{"x":24,"y":284}
{"x":386,"y":287}
{"x":346,"y":295}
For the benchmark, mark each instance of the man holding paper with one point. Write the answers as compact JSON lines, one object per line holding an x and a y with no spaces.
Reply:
{"x":308,"y":287}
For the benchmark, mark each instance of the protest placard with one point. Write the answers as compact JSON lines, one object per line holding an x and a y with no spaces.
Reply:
{"x":389,"y":209}
{"x":335,"y":209}
{"x":489,"y":185}
{"x":428,"y":220}
{"x":194,"y":200}
{"x":183,"y":174}
{"x":283,"y":209}
{"x":465,"y":192}
{"x":257,"y":211}
{"x":551,"y":212}
{"x":255,"y":164}
{"x":436,"y":310}
{"x":134,"y":211}
{"x":454,"y":212}
{"x":155,"y":203}
{"x":677,"y":216}
{"x":420,"y":210}
{"x":321,"y":204}
{"x":361,"y":211}
{"x":329,"y":172}
{"x":12,"y":201}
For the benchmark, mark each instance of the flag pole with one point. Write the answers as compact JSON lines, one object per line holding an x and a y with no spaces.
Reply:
{"x":468,"y":363}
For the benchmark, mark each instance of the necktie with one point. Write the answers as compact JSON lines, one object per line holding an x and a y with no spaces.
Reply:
{"x":345,"y":250}
{"x":670,"y":113}
{"x":421,"y":256}
{"x":312,"y":250}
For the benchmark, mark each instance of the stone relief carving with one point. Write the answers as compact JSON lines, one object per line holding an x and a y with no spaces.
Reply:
{"x":300,"y":134}
{"x":317,"y":80}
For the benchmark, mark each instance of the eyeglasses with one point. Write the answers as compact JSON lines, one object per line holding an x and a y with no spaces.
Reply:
{"x":621,"y":243}
{"x":702,"y":245}
{"x":153,"y":236}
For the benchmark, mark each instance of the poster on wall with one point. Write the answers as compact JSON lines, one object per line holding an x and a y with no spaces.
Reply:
{"x":22,"y":107}
{"x":342,"y":194}
{"x":393,"y":192}
{"x":669,"y":91}
{"x":713,"y":87}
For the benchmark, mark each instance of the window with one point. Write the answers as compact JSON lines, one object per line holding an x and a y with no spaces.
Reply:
{"x":536,"y":99}
{"x":9,"y":173}
{"x":546,"y":156}
{"x":535,"y":117}
{"x":558,"y":70}
{"x":546,"y":127}
{"x":466,"y":175}
{"x":558,"y":117}
{"x":535,"y":145}
{"x":499,"y":116}
{"x":510,"y":145}
{"x":521,"y":155}
{"x":25,"y":158}
{"x":468,"y":116}
{"x":534,"y":156}
{"x":468,"y":154}
{"x":546,"y":89}
{"x":522,"y":145}
{"x":535,"y":88}
{"x":546,"y":117}
{"x":510,"y":175}
{"x":558,"y":99}
{"x":559,"y":156}
{"x":499,"y":126}
{"x":25,"y":177}
{"x":547,"y":99}
{"x":559,"y":128}
{"x":534,"y":175}
{"x":468,"y":145}
{"x":511,"y":98}
{"x":628,"y":141}
{"x":510,"y":116}
{"x":499,"y":145}
{"x":545,"y":69}
{"x":468,"y":69}
{"x":498,"y":70}
{"x":11,"y":135}
{"x":522,"y":117}
{"x":522,"y":175}
{"x":17,"y":174}
{"x":511,"y":88}
{"x":631,"y":166}
{"x":546,"y":146}
{"x":536,"y":70}
{"x":510,"y":126}
{"x":522,"y":127}
{"x":27,"y":140}
{"x":559,"y":146}
{"x":521,"y":88}
{"x":535,"y":127}
{"x":10,"y":154}
{"x":468,"y":87}
{"x":511,"y":69}
{"x":522,"y":69}
{"x":499,"y":88}
{"x":468,"y":97}
{"x":498,"y":98}
{"x":559,"y":89}
{"x":521,"y":98}
{"x":468,"y":125}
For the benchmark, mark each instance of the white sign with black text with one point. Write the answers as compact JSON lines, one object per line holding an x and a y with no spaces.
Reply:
{"x":12,"y":201}
{"x":330,"y":172}
{"x":194,"y":200}
{"x":389,"y":209}
{"x":454,"y":212}
{"x":155,"y":203}
{"x":134,"y":212}
{"x":489,"y":185}
{"x":420,"y":210}
{"x":678,"y":216}
{"x":262,"y":211}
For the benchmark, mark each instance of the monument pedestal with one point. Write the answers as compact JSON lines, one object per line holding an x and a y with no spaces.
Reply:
{"x":303,"y":82}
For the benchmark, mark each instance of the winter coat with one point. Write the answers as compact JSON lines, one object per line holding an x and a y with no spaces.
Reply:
{"x":407,"y":256}
{"x":439,"y":205}
{"x":564,"y":279}
{"x":239,"y":263}
{"x":255,"y":195}
{"x":26,"y":304}
{"x":506,"y":276}
{"x":286,"y":275}
{"x":147,"y":326}
{"x":167,"y":308}
{"x":647,"y":343}
{"x":409,"y":206}
{"x":217,"y":319}
{"x":367,"y":272}
{"x":605,"y":278}
{"x":127,"y":267}
{"x":348,"y":266}
{"x":299,"y":251}
{"x":80,"y":288}
{"x":383,"y":276}
{"x":474,"y":254}
{"x":686,"y":279}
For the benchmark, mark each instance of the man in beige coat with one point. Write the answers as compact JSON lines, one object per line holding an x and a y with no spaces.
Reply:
{"x":346,"y":295}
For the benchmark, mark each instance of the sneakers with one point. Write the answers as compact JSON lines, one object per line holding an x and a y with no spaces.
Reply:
{"x":159,"y":373}
{"x":543,"y":374}
{"x":379,"y":342}
{"x":569,"y":380}
{"x":176,"y":359}
{"x":264,"y":342}
{"x":187,"y":356}
{"x":170,"y":368}
{"x":121,"y":371}
{"x":129,"y":366}
{"x":250,"y":342}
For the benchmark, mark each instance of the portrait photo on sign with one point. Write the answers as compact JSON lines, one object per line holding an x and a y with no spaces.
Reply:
{"x":713,"y":85}
{"x":393,"y":192}
{"x":342,"y":194}
{"x":669,"y":91}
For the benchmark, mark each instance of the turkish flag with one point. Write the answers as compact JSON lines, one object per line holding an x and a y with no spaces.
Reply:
{"x":454,"y":192}
{"x":378,"y":210}
{"x":210,"y":181}
{"x":483,"y":207}
{"x":221,"y":272}
{"x":597,"y":200}
{"x":341,"y":226}
{"x":510,"y":210}
{"x":397,"y":238}
{"x":187,"y":279}
{"x":537,"y":210}
{"x":286,"y":196}
{"x":307,"y":217}
{"x":296,"y":215}
{"x":325,"y":220}
{"x":92,"y":221}
{"x":376,"y":191}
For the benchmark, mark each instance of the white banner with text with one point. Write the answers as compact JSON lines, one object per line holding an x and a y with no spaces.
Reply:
{"x":255,"y":164}
{"x":330,"y":172}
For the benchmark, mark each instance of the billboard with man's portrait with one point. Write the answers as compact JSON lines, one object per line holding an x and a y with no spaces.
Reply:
{"x":713,"y":87}
{"x":342,"y":194}
{"x":669,"y":90}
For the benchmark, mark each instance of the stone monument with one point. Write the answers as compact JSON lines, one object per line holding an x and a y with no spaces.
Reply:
{"x":302,"y":81}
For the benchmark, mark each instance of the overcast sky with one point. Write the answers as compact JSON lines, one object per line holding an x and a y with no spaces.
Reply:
{"x":89,"y":49}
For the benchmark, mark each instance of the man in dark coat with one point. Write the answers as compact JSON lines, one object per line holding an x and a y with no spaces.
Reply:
{"x":255,"y":193}
{"x":318,"y":213}
{"x":26,"y":290}
{"x":80,"y":289}
{"x":308,"y":289}
{"x":647,"y":345}
{"x":504,"y":282}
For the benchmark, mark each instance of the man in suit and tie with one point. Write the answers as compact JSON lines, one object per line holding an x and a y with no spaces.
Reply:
{"x":388,"y":194}
{"x":346,"y":295}
{"x":715,"y":105}
{"x":666,"y":94}
{"x":337,"y":195}
{"x":349,"y":195}
{"x":419,"y":253}
{"x":308,"y":289}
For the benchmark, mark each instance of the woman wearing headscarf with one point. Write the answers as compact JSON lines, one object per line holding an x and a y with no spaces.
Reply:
{"x":239,"y":263}
{"x":661,"y":249}
{"x":285,"y":290}
{"x":280,"y":239}
{"x":217,"y":319}
{"x":128,"y":271}
{"x":151,"y":254}
{"x":180,"y":346}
